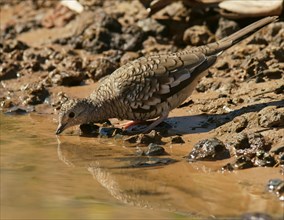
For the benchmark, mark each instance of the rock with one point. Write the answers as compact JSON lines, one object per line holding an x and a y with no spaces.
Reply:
{"x":279,"y":90}
{"x":252,"y":151}
{"x":103,"y":33}
{"x":107,"y":21}
{"x":237,"y":100}
{"x":271,"y":116}
{"x":273,"y":73}
{"x":57,"y":99}
{"x":222,"y":65}
{"x":209,"y":149}
{"x":257,"y":142}
{"x":177,"y":140}
{"x":278,"y":53}
{"x":253,"y":147}
{"x":197,"y":35}
{"x":16,"y":110}
{"x":10,"y":31}
{"x":57,"y":17}
{"x":255,"y":67}
{"x":101,"y":67}
{"x":276,"y":186}
{"x":37,"y":93}
{"x":9,"y":71}
{"x":240,"y":141}
{"x":151,"y":162}
{"x":131,"y":39}
{"x":109,"y":131}
{"x":263,"y":159}
{"x":273,"y":184}
{"x":242,"y":162}
{"x":152,"y":137}
{"x":72,"y":63}
{"x":128,"y":56}
{"x":226,"y":27}
{"x":155,"y":150}
{"x":200,"y":87}
{"x":152,"y":46}
{"x":139,"y":152}
{"x":260,"y":40}
{"x":132,"y":139}
{"x":6,"y":103}
{"x":64,"y":78}
{"x":278,"y":154}
{"x":151,"y":26}
{"x":113,"y":55}
{"x":11,"y":45}
{"x":89,"y":129}
{"x":239,"y":124}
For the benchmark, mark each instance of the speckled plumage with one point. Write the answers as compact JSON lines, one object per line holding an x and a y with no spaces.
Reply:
{"x":150,"y":87}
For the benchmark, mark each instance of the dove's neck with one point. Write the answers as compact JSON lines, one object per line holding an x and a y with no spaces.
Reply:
{"x":100,"y":110}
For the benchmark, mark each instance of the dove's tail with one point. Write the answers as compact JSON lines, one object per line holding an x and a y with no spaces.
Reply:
{"x":227,"y":42}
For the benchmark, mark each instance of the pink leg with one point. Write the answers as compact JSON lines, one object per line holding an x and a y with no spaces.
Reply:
{"x":131,"y":123}
{"x":152,"y":125}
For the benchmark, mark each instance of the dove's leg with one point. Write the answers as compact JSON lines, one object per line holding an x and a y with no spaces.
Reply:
{"x":131,"y":123}
{"x":156,"y":122}
{"x":153,"y":125}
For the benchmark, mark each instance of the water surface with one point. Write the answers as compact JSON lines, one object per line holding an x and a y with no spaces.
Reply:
{"x":49,"y":177}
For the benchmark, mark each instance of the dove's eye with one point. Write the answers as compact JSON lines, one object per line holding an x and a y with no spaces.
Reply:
{"x":71,"y":115}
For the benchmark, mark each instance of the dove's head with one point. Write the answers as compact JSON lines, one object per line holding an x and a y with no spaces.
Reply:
{"x":74,"y":112}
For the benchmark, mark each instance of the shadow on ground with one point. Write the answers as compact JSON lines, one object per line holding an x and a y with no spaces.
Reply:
{"x":207,"y":122}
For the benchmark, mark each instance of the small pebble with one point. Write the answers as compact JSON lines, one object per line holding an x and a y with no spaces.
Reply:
{"x":209,"y":149}
{"x":155,"y":150}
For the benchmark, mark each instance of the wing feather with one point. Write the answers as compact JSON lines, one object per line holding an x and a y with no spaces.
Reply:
{"x":152,"y":80}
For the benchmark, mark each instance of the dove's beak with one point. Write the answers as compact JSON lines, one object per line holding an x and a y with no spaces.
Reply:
{"x":60,"y":128}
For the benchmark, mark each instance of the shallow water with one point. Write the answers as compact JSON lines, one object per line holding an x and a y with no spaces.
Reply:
{"x":44,"y":176}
